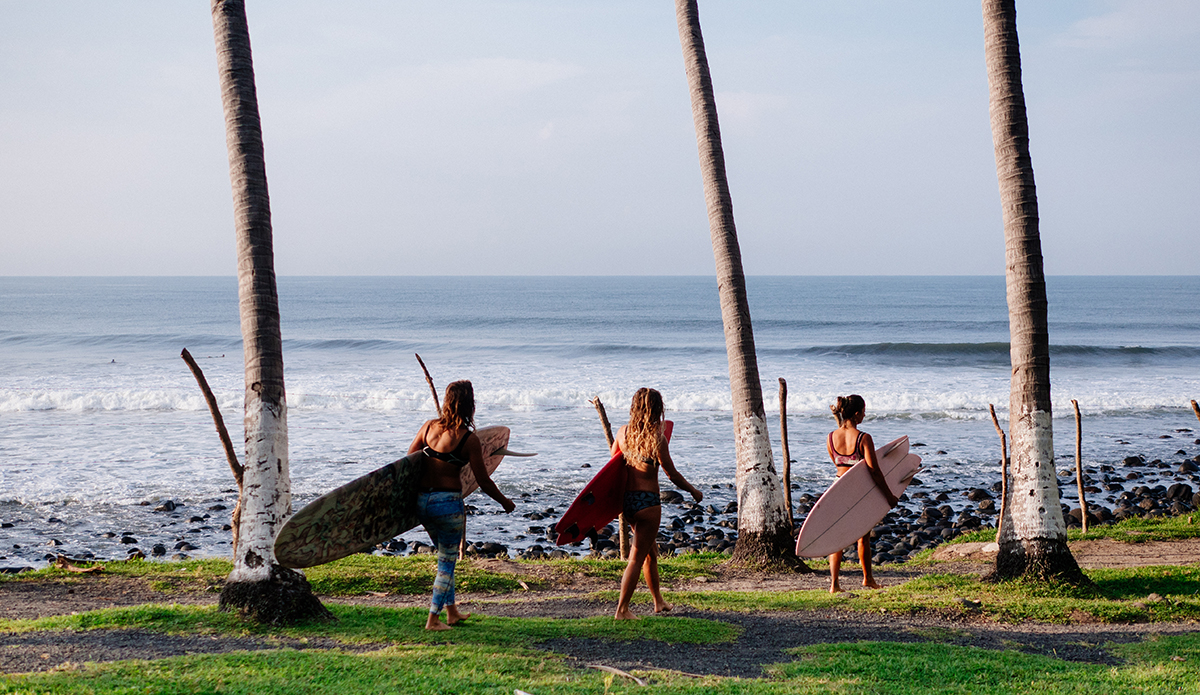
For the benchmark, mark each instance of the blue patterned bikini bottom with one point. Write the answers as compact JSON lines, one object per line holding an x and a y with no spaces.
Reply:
{"x":637,"y":500}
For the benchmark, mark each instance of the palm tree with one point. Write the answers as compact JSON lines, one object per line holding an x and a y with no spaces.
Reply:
{"x":1033,"y":540}
{"x":764,"y":526}
{"x":258,"y":585}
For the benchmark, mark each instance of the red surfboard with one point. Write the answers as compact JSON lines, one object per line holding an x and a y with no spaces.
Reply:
{"x":600,"y":502}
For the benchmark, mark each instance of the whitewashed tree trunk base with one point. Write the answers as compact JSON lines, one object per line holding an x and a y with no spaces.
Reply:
{"x":283,"y":598}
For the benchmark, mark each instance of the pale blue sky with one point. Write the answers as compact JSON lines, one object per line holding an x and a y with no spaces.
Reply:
{"x":556,"y":137}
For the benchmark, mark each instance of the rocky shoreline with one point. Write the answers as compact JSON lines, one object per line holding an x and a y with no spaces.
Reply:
{"x":927,"y":515}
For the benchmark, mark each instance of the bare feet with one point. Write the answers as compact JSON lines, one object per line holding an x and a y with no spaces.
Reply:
{"x":663,"y":607}
{"x":835,"y":589}
{"x":455,"y":616}
{"x":872,"y":584}
{"x":625,"y":614}
{"x":433,"y":623}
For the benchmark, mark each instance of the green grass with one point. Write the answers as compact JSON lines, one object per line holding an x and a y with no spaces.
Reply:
{"x":374,"y":625}
{"x":865,"y":667}
{"x":1163,"y":528}
{"x":670,"y":569}
{"x":354,"y":575}
{"x":1117,"y":595}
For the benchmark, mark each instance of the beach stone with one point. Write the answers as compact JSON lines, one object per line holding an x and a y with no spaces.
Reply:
{"x":168,"y":506}
{"x":158,"y":550}
{"x":1134,"y":461}
{"x":136,"y":554}
{"x":586,"y":465}
{"x":558,"y":554}
{"x":180,"y":557}
{"x":128,"y":540}
{"x":977,"y":494}
{"x":6,"y":524}
{"x":670,"y":497}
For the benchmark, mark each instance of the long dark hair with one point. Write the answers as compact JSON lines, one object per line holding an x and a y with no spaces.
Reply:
{"x":848,"y":407}
{"x":458,"y":406}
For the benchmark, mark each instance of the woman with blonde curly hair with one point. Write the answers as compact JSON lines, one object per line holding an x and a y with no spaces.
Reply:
{"x":646,"y":451}
{"x":450,"y":444}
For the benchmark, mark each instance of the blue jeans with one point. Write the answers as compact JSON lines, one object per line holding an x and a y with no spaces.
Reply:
{"x":444,"y":518}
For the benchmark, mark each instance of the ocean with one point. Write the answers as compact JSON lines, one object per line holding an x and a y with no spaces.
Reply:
{"x":100,"y":419}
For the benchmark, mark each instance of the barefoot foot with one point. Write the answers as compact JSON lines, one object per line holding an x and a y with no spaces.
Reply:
{"x":872,"y":584}
{"x":625,"y":614}
{"x":435,"y":624}
{"x":455,"y":616}
{"x":663,"y":607}
{"x":836,"y":589}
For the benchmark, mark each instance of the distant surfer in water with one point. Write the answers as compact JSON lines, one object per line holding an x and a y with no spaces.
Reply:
{"x":849,"y":411}
{"x":645,"y":449}
{"x":449,"y":444}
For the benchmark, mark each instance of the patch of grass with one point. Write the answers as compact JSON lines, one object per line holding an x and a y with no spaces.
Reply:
{"x":1163,"y":528}
{"x":409,"y":669}
{"x":370,"y":625}
{"x":670,"y":569}
{"x":1116,"y":596}
{"x":864,"y":667}
{"x":885,"y":667}
{"x":413,"y":574}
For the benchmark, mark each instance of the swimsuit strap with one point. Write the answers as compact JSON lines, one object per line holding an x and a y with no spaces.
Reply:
{"x":455,"y":457}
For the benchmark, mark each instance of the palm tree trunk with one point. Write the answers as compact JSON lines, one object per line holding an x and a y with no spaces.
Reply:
{"x":764,"y":526}
{"x":1033,"y":541}
{"x":258,"y":585}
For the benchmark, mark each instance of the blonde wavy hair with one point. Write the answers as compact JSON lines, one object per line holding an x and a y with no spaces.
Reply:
{"x":644,"y":431}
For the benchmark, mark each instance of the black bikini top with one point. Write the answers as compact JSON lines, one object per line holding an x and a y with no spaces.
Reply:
{"x":458,"y":457}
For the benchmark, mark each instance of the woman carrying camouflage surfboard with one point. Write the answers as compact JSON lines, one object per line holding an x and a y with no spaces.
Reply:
{"x":450,"y":444}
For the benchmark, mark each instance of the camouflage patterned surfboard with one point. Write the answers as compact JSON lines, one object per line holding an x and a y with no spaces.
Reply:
{"x":369,"y":510}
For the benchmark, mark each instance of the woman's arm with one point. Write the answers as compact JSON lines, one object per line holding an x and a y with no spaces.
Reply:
{"x":616,"y":445}
{"x":418,"y":441}
{"x":475,"y":456}
{"x":876,"y":472}
{"x":668,"y":465}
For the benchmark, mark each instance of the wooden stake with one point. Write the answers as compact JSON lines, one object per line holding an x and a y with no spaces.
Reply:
{"x":787,"y":458}
{"x":608,"y":436}
{"x":462,"y":542}
{"x":1003,"y":470}
{"x":432,"y":389}
{"x":1196,"y":409}
{"x":1079,"y":465}
{"x":223,"y":434}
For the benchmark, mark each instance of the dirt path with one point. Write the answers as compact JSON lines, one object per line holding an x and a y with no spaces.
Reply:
{"x":764,"y":639}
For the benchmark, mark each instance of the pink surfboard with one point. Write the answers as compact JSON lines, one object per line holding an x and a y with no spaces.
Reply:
{"x":600,"y":501}
{"x":852,"y":506}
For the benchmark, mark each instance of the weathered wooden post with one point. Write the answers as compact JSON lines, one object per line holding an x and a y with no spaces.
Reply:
{"x":623,"y":535}
{"x":1196,"y":409}
{"x":1003,"y":469}
{"x":787,"y":458}
{"x":226,"y":442}
{"x":1083,"y":517}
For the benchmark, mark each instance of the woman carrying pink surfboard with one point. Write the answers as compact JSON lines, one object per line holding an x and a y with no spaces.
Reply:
{"x":646,"y":451}
{"x":849,"y":411}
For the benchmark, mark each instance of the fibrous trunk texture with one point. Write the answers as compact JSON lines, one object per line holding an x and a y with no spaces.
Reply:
{"x":764,"y":529}
{"x":1033,"y":540}
{"x":257,"y":583}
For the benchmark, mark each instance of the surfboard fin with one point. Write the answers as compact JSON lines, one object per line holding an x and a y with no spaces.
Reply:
{"x":908,"y":478}
{"x":503,"y":451}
